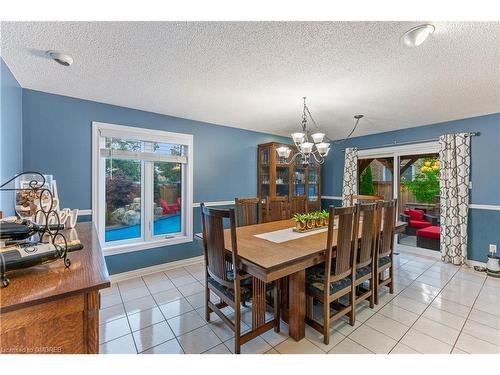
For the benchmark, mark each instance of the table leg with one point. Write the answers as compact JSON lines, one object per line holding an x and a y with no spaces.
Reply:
{"x":297,"y":302}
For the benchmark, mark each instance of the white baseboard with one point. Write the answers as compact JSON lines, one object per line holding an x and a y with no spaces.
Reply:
{"x":432,"y":254}
{"x":157,"y":268}
{"x":473,"y":263}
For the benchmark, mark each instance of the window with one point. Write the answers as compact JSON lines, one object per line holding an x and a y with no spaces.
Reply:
{"x":142,"y":187}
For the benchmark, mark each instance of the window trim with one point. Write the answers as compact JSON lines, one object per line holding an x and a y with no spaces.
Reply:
{"x":98,"y":196}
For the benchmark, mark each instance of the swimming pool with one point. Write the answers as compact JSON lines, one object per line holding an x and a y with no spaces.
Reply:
{"x":163,"y":225}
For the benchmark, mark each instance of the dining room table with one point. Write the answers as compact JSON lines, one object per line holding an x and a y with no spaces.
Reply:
{"x":273,"y":251}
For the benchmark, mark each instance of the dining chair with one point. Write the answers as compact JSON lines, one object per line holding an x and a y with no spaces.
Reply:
{"x":298,"y":204}
{"x":369,"y":221}
{"x":328,"y":282}
{"x":277,"y":208}
{"x":229,"y":282}
{"x":248,"y":211}
{"x":364,"y":198}
{"x":385,"y":256}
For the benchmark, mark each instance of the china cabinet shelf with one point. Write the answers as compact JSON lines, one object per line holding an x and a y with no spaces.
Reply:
{"x":276,"y":178}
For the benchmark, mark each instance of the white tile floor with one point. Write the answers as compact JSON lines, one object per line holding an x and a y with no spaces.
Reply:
{"x":437,"y":308}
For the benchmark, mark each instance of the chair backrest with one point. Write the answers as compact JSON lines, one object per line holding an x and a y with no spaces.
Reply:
{"x":248,"y":211}
{"x":216,"y":262}
{"x":298,"y":205}
{"x":364,"y":198}
{"x":347,"y":234}
{"x":386,"y":244}
{"x":369,"y":216}
{"x":277,"y":208}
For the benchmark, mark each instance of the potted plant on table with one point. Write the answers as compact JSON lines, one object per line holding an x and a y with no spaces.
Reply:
{"x":300,"y":222}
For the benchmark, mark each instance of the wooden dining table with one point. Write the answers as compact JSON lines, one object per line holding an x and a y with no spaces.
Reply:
{"x":270,"y":261}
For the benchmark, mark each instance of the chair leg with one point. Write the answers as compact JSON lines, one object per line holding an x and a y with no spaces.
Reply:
{"x":391,"y":275}
{"x":352,"y":315}
{"x":326,"y":321}
{"x":207,"y":298}
{"x":237,"y":326}
{"x":276,"y":303}
{"x":372,"y":295}
{"x":375,"y":279}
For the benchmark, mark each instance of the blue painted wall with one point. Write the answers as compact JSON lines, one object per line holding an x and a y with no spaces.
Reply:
{"x":11,"y":133}
{"x":484,"y":225}
{"x":58,"y":141}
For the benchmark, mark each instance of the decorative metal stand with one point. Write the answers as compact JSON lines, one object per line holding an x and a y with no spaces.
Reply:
{"x":48,"y":214}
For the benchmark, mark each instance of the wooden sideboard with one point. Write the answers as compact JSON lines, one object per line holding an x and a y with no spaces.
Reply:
{"x":53,"y":309}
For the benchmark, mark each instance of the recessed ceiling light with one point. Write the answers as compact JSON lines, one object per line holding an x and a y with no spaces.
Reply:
{"x":417,"y":35}
{"x":60,"y":58}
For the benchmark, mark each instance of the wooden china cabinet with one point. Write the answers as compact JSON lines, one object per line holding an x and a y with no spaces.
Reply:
{"x":276,"y":178}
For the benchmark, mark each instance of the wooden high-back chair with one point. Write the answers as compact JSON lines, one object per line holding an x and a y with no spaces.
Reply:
{"x":277,"y":208}
{"x":298,"y":205}
{"x":369,"y":216}
{"x":328,"y":282}
{"x":364,"y":198}
{"x":385,"y":256}
{"x":225,"y":278}
{"x":248,"y":211}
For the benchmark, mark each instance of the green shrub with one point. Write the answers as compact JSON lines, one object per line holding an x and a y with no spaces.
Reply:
{"x":366,"y":182}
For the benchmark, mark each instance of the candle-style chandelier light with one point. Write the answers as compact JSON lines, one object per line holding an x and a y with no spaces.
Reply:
{"x":312,"y":146}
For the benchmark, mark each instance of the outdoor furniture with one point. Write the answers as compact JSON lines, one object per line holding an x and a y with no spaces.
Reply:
{"x":429,"y":237}
{"x":170,"y":208}
{"x":416,"y":219}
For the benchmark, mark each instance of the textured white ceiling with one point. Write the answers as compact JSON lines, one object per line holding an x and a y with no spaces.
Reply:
{"x":253,"y":74}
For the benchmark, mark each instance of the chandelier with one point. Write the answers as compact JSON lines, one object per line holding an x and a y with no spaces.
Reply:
{"x":311,"y":146}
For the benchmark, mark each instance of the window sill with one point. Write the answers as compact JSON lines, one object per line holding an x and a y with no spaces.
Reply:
{"x":140,"y":246}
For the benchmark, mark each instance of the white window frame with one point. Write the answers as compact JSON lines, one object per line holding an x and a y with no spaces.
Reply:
{"x":147,"y":239}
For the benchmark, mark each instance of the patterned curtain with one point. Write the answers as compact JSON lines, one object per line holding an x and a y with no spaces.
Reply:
{"x":350,"y":175}
{"x":454,"y":156}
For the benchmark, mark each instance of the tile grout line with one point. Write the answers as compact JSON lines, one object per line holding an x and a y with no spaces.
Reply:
{"x":468,"y":315}
{"x":378,"y":311}
{"x":408,"y":286}
{"x":128,"y":322}
{"x":441,"y":289}
{"x":273,"y":347}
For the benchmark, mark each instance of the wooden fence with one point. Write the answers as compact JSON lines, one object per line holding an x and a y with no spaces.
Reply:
{"x":385,"y":189}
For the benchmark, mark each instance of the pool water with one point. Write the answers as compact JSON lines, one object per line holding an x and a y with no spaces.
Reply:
{"x":164,"y":225}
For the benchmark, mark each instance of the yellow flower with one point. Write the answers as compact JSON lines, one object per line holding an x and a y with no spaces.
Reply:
{"x":435,"y":167}
{"x":427,"y":163}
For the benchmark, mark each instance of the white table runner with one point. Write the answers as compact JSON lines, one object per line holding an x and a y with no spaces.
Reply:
{"x":288,"y":234}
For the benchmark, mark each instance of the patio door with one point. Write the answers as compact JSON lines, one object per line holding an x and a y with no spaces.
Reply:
{"x":400,"y":172}
{"x":418,"y":201}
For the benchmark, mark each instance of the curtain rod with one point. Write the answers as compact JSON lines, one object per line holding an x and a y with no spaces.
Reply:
{"x":471,"y":134}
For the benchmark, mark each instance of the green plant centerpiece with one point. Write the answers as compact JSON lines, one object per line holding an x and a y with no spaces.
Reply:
{"x":425,"y":184}
{"x":311,"y":220}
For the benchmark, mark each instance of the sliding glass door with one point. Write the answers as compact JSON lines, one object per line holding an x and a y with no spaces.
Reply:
{"x":409,"y":173}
